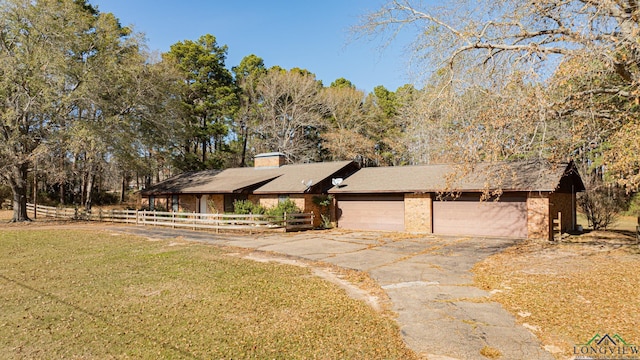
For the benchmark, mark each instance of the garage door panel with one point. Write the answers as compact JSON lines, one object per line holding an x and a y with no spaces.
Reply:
{"x":506,"y":217}
{"x":371,"y":213}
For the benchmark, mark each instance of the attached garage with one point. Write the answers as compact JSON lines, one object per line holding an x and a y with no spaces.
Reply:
{"x":407,"y":198}
{"x":371,"y":212}
{"x":468,"y":215}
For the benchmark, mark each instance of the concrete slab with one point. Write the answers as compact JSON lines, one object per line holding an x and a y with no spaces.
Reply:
{"x":313,"y":249}
{"x":411,"y":271}
{"x":364,"y":259}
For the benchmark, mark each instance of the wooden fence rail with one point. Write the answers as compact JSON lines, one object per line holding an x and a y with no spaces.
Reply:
{"x":251,"y":223}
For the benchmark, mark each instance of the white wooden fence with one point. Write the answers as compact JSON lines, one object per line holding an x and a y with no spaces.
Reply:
{"x":251,"y":223}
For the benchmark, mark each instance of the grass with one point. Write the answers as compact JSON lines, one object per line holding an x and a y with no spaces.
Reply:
{"x":95,"y":295}
{"x":569,"y":292}
{"x":622,"y":222}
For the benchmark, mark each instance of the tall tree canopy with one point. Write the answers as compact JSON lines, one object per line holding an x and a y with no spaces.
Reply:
{"x":248,"y":75}
{"x":209,"y":100}
{"x":73,"y":86}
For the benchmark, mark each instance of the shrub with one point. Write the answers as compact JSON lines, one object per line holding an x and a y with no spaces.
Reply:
{"x":245,"y":207}
{"x":601,"y":205}
{"x":324,"y":202}
{"x":287,"y":206}
{"x":634,"y":206}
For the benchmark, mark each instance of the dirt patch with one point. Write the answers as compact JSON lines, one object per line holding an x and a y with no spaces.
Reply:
{"x":568,"y":292}
{"x":6,"y":215}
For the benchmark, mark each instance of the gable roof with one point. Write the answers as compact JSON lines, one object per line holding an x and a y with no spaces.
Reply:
{"x":285,"y":179}
{"x":506,"y":176}
{"x":295,"y":177}
{"x":213,"y":181}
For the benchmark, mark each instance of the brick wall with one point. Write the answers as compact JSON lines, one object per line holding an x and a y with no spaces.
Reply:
{"x":310,"y":206}
{"x":268,"y":201}
{"x":215,"y":204}
{"x":269,"y":160}
{"x":188,"y":203}
{"x":563,"y":203}
{"x":538,"y":221}
{"x":417,"y":213}
{"x":302,"y":201}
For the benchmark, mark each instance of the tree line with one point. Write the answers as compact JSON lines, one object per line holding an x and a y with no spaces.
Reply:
{"x":84,"y":106}
{"x":553,"y":80}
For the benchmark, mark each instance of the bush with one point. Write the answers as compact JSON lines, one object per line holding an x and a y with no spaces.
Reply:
{"x":105,"y":198}
{"x":324,"y":202}
{"x":601,"y":205}
{"x":287,"y":206}
{"x":634,"y":206}
{"x":245,"y":207}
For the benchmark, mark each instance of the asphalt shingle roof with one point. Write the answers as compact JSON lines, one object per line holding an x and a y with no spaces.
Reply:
{"x":288,"y":179}
{"x":506,"y":176}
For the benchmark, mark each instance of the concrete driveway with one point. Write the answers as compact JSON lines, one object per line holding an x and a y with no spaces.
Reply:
{"x":428,"y":279}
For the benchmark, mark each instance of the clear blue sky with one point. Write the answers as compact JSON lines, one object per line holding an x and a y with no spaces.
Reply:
{"x":312,"y":35}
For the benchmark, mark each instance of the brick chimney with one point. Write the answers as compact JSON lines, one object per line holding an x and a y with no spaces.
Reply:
{"x":269,"y":160}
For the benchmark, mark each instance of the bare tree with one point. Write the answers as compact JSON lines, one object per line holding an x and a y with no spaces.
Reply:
{"x":584,"y":54}
{"x":347,"y":128}
{"x":288,"y":114}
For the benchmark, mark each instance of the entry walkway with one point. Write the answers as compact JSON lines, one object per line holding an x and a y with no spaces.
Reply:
{"x":427,"y":278}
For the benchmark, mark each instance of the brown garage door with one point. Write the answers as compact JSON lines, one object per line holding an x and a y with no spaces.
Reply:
{"x":360,"y":212}
{"x":468,"y":215}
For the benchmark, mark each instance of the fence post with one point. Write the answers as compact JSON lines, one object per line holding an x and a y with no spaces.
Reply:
{"x":638,"y":231}
{"x":112,"y":212}
{"x":194,"y":220}
{"x":557,"y":228}
{"x":173,"y":220}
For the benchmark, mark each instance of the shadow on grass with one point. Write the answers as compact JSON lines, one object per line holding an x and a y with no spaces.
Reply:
{"x":98,"y":317}
{"x":616,"y":239}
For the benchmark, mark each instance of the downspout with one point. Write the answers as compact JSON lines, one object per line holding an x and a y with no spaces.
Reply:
{"x":573,"y":207}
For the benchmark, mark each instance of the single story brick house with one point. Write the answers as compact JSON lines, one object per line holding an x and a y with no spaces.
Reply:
{"x":452,"y":200}
{"x":270,"y":181}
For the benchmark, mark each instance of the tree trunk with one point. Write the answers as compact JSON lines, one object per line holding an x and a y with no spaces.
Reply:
{"x":90,"y":182}
{"x":62,"y":182}
{"x":62,"y":194}
{"x":204,"y":152}
{"x":89,"y":187}
{"x":244,"y":146}
{"x":18,"y":183}
{"x":124,"y":188}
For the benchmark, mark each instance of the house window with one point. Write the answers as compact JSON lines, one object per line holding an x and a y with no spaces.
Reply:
{"x":152,"y":205}
{"x":229,"y":199}
{"x":282,"y":198}
{"x":175,"y":203}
